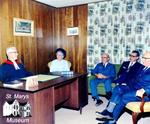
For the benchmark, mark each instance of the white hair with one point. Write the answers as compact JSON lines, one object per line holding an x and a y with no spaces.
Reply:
{"x":10,"y":49}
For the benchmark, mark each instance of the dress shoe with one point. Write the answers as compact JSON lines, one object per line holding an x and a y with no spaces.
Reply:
{"x":106,"y":123}
{"x":104,"y":119}
{"x":108,"y":95}
{"x":98,"y":102}
{"x":94,"y":98}
{"x":104,"y":114}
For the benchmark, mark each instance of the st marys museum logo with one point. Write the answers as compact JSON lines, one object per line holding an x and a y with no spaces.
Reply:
{"x":16,"y":109}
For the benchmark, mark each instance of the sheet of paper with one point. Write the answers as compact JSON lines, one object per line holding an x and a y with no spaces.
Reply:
{"x":42,"y":77}
{"x":13,"y":85}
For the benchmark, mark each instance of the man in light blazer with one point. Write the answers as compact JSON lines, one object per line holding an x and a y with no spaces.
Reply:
{"x":141,"y":86}
{"x":105,"y":73}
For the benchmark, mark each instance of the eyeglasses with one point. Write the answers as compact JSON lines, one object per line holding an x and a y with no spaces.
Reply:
{"x":132,"y":55}
{"x":104,"y":57}
{"x":145,"y":58}
{"x":13,"y":52}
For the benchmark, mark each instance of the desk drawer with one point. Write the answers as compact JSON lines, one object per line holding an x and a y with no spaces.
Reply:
{"x":61,"y":94}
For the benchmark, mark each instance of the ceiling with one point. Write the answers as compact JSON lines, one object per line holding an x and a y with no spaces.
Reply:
{"x":64,"y":3}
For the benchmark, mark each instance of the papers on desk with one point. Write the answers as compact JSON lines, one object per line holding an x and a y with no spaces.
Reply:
{"x":13,"y":84}
{"x":42,"y":77}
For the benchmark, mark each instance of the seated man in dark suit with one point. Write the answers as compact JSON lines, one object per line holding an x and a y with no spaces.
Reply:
{"x":125,"y":81}
{"x":128,"y":69}
{"x":105,"y":73}
{"x":140,"y":87}
{"x":11,"y":69}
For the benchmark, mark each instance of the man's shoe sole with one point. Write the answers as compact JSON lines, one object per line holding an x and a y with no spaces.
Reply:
{"x":99,"y":115}
{"x":104,"y":119}
{"x":97,"y":104}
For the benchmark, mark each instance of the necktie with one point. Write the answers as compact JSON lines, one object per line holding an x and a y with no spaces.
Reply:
{"x":145,"y":68}
{"x":103,"y":65}
{"x":130,"y":65}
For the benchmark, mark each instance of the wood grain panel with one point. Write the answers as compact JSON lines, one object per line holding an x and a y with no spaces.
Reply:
{"x":50,"y":25}
{"x":62,"y":93}
{"x":76,"y":46}
{"x":43,"y":110}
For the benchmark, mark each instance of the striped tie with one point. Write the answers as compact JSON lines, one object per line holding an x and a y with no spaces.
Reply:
{"x":145,"y":68}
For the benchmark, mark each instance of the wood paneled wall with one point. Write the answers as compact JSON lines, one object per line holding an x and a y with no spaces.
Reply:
{"x":76,"y":46}
{"x":50,"y":26}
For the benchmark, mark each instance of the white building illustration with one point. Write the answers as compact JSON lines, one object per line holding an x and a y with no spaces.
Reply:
{"x":25,"y":110}
{"x":16,"y":109}
{"x":7,"y":109}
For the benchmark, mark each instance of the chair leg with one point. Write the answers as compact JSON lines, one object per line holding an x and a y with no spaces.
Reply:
{"x":80,"y":110}
{"x":134,"y":117}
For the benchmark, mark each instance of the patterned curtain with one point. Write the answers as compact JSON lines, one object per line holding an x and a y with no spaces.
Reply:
{"x":117,"y":27}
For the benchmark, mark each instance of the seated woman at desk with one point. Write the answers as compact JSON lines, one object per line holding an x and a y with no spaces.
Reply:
{"x":12,"y":69}
{"x":59,"y":64}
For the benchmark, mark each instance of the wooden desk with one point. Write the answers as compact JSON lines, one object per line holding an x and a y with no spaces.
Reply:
{"x":70,"y":92}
